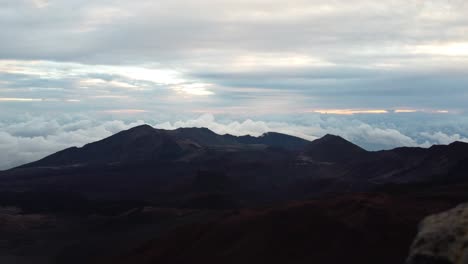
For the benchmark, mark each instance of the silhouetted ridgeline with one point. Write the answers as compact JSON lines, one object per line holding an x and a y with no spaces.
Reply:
{"x":189,"y":195}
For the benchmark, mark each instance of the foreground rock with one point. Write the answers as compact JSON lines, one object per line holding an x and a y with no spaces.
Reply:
{"x":442,"y":238}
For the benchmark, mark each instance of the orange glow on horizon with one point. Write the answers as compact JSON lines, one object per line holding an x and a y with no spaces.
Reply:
{"x":350,"y":111}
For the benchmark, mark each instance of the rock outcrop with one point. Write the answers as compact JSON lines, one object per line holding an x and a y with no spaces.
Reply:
{"x":442,"y":238}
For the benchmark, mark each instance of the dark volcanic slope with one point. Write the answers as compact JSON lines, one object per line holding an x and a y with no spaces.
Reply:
{"x":331,"y":148}
{"x":167,"y":167}
{"x":403,"y":165}
{"x":145,"y":143}
{"x":189,"y":195}
{"x":202,"y":136}
{"x":137,"y":144}
{"x":206,"y":137}
{"x":276,"y":140}
{"x":357,"y":228}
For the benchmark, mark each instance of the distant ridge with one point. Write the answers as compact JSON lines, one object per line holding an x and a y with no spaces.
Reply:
{"x":332,"y":148}
{"x":197,"y":167}
{"x":282,"y":154}
{"x":206,"y":137}
{"x":145,"y":143}
{"x":133,"y":145}
{"x":275,"y":139}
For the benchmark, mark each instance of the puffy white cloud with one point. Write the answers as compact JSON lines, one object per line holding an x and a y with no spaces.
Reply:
{"x":442,"y":138}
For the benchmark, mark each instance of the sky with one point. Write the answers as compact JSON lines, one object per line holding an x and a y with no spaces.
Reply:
{"x":382,"y":74}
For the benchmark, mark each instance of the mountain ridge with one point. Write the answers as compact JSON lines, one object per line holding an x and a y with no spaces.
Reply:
{"x":132,"y":163}
{"x":146,"y":143}
{"x":246,"y":194}
{"x":333,"y":148}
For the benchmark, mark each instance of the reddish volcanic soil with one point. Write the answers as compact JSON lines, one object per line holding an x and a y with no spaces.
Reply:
{"x":359,"y":228}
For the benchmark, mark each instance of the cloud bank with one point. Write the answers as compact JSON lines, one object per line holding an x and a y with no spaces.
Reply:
{"x":242,"y":56}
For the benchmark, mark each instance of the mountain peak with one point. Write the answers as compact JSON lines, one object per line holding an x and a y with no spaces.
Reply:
{"x":334,"y":139}
{"x":329,"y":137}
{"x":274,"y":134}
{"x":145,"y":143}
{"x":144,"y":127}
{"x":138,"y":131}
{"x":195,"y":129}
{"x":275,"y":139}
{"x":333,"y":148}
{"x":137,"y":144}
{"x":458,"y":143}
{"x":201,"y":135}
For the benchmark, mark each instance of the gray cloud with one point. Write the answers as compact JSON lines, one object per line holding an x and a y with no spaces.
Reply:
{"x":183,"y":31}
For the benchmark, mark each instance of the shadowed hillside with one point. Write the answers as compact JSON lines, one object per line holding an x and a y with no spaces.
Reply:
{"x":189,"y":195}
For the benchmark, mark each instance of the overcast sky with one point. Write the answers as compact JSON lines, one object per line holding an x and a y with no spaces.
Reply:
{"x":380,"y":73}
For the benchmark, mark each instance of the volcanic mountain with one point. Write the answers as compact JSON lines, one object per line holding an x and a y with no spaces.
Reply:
{"x":331,"y":148}
{"x":174,"y":166}
{"x":149,"y":195}
{"x":136,"y":144}
{"x":145,"y":143}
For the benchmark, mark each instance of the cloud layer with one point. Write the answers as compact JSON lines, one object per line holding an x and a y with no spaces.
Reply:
{"x":271,"y":56}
